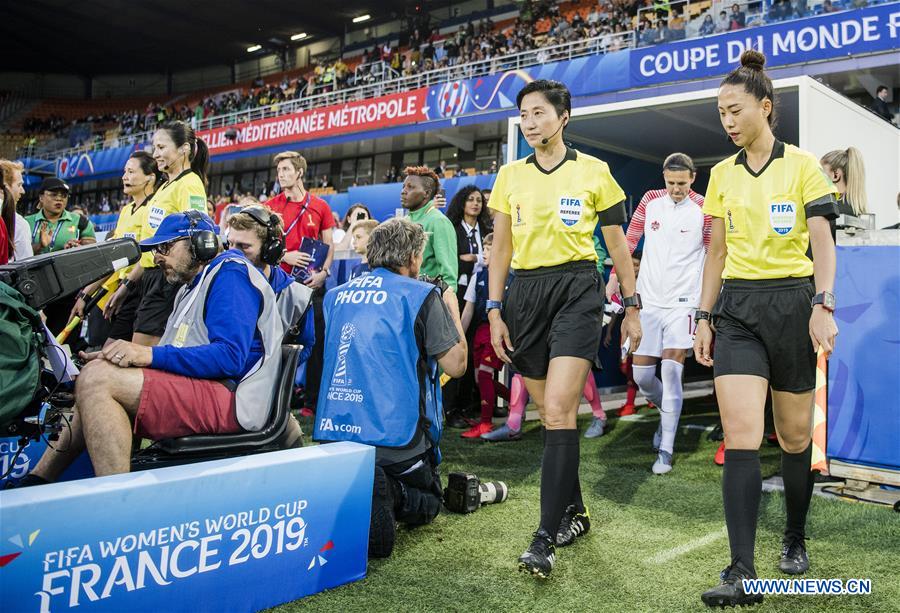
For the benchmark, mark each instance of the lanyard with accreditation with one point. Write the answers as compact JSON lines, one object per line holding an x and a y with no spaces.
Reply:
{"x":303,"y":206}
{"x":37,"y":229}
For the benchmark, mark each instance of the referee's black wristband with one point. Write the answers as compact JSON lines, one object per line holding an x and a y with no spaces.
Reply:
{"x":127,"y":283}
{"x":702,"y":315}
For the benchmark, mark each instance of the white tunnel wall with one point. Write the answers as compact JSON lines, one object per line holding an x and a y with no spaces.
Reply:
{"x":829,"y":121}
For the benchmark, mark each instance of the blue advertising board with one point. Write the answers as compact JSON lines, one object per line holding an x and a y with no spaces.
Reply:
{"x":828,"y":36}
{"x":863,"y":386}
{"x":241,"y":534}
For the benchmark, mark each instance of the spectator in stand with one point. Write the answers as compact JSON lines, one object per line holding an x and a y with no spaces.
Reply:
{"x":780,"y":10}
{"x":305,"y":216}
{"x":828,"y":7}
{"x":800,"y":8}
{"x":880,"y":105}
{"x":723,"y":24}
{"x":18,"y":228}
{"x":738,"y":18}
{"x":647,"y":34}
{"x":676,"y":25}
{"x":708,"y":26}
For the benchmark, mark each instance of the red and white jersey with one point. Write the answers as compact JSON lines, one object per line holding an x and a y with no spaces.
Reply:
{"x":675,"y":244}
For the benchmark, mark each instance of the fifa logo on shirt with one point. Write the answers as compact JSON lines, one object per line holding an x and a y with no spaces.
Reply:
{"x":731,"y":227}
{"x":782,"y":216}
{"x":570,"y":210}
{"x":519,"y":220}
{"x":348,"y":331}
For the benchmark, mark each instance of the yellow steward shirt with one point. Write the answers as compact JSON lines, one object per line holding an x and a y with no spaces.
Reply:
{"x":186,"y":191}
{"x":765,"y":213}
{"x":554,"y":212}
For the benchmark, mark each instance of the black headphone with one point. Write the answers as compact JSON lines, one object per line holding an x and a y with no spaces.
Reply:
{"x":204,"y":243}
{"x":273,"y":246}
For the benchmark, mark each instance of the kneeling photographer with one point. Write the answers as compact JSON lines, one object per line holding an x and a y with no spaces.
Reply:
{"x":206,"y":376}
{"x":386,"y":335}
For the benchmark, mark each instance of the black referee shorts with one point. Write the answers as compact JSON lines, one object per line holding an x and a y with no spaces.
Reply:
{"x":762,"y":329}
{"x":554,"y":312}
{"x":157,"y":302}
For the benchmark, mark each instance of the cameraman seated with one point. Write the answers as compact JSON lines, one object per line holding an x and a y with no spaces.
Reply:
{"x":214,"y":371}
{"x":258,"y":233}
{"x":386,"y":333}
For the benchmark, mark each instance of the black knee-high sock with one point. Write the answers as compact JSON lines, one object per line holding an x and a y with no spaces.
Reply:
{"x":559,"y":471}
{"x":798,"y":488}
{"x":741,"y":492}
{"x":576,"y":498}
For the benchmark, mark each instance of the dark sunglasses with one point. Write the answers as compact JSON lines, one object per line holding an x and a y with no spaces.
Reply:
{"x":165,"y":248}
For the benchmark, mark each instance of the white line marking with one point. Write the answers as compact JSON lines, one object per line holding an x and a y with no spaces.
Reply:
{"x":670,"y":554}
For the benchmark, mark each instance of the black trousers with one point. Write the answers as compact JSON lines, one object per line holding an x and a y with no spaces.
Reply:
{"x":409,"y":492}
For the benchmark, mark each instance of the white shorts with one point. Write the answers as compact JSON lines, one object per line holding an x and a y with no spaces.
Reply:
{"x":666,"y":329}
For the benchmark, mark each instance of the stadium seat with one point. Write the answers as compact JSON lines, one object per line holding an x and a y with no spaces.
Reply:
{"x":221,"y":445}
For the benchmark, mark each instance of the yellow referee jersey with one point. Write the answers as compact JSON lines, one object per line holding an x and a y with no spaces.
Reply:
{"x":554,"y":212}
{"x":186,"y":191}
{"x":131,"y":223}
{"x":765,"y":213}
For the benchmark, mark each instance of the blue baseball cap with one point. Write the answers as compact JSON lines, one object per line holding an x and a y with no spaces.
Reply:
{"x":178,"y":225}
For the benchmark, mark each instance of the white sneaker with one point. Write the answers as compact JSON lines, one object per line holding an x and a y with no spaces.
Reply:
{"x":596,"y":428}
{"x":663,"y":463}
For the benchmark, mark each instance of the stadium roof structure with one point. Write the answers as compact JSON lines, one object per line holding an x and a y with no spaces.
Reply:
{"x":93,"y":37}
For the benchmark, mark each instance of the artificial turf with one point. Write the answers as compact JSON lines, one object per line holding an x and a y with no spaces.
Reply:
{"x":655,"y":544}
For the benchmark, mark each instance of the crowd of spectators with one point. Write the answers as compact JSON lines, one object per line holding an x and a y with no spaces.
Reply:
{"x":540,"y":25}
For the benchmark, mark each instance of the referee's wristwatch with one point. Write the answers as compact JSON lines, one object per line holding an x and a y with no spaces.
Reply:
{"x":128,"y":284}
{"x":698,"y":315}
{"x":826,"y":299}
{"x":493,"y":304}
{"x":633,"y":301}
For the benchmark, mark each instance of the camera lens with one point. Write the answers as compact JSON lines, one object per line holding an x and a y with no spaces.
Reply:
{"x":492,"y":491}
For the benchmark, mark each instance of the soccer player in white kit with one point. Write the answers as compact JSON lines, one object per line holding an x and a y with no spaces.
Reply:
{"x":677,"y":236}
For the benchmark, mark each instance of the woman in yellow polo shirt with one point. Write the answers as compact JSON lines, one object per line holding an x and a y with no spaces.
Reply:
{"x":184,"y":159}
{"x":547,"y":206}
{"x":139,"y":180}
{"x":769,"y":203}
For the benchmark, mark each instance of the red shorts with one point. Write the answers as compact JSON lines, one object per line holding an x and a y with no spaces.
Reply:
{"x":483,"y":350}
{"x":172,"y":405}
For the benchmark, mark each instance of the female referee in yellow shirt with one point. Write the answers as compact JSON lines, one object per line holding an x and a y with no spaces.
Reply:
{"x":139,"y":180}
{"x":548,"y":205}
{"x":769,"y":204}
{"x":184,"y":159}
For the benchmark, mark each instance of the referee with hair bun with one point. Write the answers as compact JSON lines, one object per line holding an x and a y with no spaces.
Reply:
{"x":547,"y":206}
{"x":770,"y":203}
